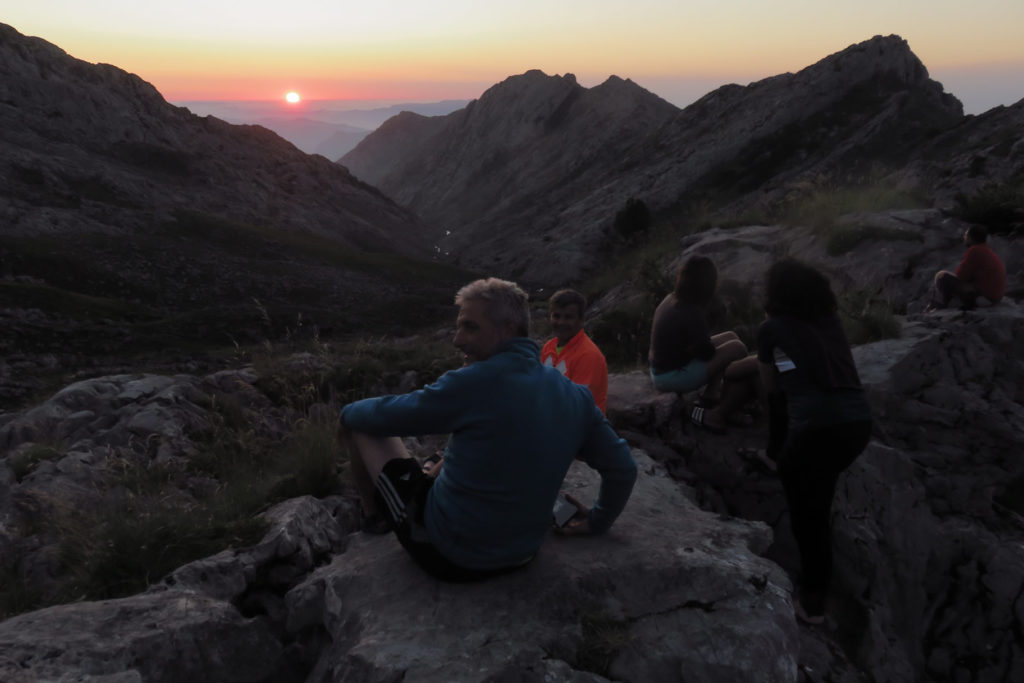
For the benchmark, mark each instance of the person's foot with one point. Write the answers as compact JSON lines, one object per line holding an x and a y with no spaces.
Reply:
{"x":758,"y":456}
{"x":375,"y":523}
{"x":809,"y":619}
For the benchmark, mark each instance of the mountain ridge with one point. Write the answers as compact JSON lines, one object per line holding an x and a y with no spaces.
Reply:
{"x":169,"y":230}
{"x":551,"y":218}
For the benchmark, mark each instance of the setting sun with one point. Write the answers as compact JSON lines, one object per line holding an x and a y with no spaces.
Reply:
{"x":293,"y":97}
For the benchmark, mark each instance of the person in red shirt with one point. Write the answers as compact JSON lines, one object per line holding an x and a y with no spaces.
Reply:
{"x":980,"y":273}
{"x":571,"y":351}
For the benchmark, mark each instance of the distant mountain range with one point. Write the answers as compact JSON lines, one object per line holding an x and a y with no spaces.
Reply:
{"x":326,"y":127}
{"x":133,"y":229}
{"x":528,"y":179}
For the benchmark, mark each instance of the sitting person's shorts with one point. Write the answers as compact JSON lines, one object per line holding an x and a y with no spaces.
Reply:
{"x":690,"y":377}
{"x":402,"y":490}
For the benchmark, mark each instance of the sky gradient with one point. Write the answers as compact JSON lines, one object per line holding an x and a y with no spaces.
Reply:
{"x":412,"y":50}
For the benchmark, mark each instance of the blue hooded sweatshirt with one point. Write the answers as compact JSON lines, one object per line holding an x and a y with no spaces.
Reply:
{"x":515,"y":428}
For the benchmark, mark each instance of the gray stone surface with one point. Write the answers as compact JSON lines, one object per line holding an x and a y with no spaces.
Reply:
{"x":682,"y":590}
{"x":166,"y":636}
{"x":929,"y":533}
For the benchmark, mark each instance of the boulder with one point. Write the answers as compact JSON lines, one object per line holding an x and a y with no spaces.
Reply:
{"x":166,"y":636}
{"x":928,"y":526}
{"x":670,"y":591}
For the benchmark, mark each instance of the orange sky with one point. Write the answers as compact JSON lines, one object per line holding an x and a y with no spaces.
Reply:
{"x":454,"y":49}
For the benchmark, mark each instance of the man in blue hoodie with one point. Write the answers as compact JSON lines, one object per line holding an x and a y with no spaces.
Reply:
{"x":515,"y":427}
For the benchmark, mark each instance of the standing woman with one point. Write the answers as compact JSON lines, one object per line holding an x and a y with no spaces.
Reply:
{"x":684,"y":356}
{"x":803,"y":355}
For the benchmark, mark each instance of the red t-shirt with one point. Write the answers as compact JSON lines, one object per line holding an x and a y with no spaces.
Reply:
{"x":983,"y":269}
{"x":581,"y":361}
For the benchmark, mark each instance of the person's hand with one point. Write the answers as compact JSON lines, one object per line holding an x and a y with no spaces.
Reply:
{"x":580,"y":522}
{"x":432,"y":466}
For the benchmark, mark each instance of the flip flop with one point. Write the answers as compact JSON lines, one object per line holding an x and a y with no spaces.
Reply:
{"x":697,"y":418}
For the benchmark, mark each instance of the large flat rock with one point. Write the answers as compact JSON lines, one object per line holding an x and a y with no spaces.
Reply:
{"x":669,"y":589}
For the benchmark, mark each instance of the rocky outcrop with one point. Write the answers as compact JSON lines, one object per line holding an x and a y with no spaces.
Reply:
{"x":529,"y":178}
{"x":928,"y":522}
{"x":502,"y":174}
{"x":130,"y":227}
{"x":891,"y":259}
{"x":89,"y":147}
{"x":928,"y":530}
{"x":671,"y":589}
{"x":978,"y":153}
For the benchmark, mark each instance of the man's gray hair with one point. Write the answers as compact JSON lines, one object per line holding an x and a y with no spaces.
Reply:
{"x":506,"y":302}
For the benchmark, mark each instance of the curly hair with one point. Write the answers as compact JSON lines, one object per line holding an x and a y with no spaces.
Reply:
{"x":798,"y":290}
{"x":506,"y":302}
{"x":696,"y":281}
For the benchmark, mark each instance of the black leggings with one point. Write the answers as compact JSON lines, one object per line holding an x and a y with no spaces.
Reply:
{"x":809,"y":466}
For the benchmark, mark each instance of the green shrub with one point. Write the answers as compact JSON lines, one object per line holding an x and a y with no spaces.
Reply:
{"x":818,"y":204}
{"x":866,"y":318}
{"x":602,"y":637}
{"x":633,"y":220}
{"x":133,"y":541}
{"x":25,"y":462}
{"x":624,"y":337}
{"x":310,"y":459}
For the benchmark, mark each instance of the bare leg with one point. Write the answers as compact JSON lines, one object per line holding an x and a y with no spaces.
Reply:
{"x":368,"y":455}
{"x":945,"y":286}
{"x":740,"y":385}
{"x":731,"y":350}
{"x":722,"y":337}
{"x":726,"y":342}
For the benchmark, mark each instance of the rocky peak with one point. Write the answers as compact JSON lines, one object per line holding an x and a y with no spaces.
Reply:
{"x":880,"y":55}
{"x":69,"y":124}
{"x":161,"y":217}
{"x":529,"y":178}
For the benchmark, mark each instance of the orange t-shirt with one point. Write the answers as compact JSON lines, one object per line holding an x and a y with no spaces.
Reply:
{"x":581,"y":361}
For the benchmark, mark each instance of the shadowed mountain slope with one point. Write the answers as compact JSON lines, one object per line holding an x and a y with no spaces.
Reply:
{"x":529,"y":178}
{"x":129,"y":226}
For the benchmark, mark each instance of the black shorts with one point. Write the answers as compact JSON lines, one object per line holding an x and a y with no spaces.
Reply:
{"x":402,"y":490}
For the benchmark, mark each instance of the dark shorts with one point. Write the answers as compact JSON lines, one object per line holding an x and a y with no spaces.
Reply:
{"x":402,"y":491}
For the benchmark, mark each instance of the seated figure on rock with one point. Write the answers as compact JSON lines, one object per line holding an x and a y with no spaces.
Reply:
{"x":515,"y":428}
{"x":684,"y":356}
{"x":571,"y":351}
{"x":981,"y":273}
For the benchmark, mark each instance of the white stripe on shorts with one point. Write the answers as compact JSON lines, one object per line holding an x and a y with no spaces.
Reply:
{"x":391,"y":498}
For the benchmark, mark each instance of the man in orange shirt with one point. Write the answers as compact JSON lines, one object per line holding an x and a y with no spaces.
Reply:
{"x":571,"y":351}
{"x":981,"y":273}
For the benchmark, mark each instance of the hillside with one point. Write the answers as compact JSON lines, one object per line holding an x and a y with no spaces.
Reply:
{"x":529,"y":178}
{"x":134,"y":231}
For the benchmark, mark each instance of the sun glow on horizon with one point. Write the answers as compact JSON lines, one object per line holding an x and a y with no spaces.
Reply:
{"x":208,"y":50}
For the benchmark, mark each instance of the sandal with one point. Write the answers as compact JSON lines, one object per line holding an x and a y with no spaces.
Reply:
{"x":697,"y":418}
